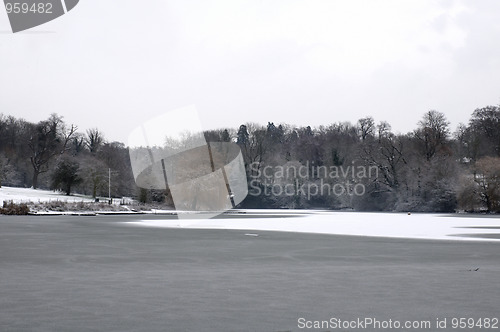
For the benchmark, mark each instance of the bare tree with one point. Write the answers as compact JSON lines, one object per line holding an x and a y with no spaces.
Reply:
{"x":94,"y":140}
{"x":387,"y":153}
{"x":251,"y":138}
{"x":485,"y":128}
{"x":78,"y":144}
{"x":383,"y":130}
{"x":3,"y":168}
{"x":487,"y":176}
{"x":432,"y":133}
{"x":366,"y":127}
{"x":48,"y":139}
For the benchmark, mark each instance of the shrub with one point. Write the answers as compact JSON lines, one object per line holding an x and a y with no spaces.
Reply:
{"x":11,"y":208}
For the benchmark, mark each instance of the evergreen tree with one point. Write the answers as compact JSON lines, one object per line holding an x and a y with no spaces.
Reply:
{"x":66,"y":175}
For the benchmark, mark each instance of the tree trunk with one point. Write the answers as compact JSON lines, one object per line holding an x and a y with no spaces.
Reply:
{"x":487,"y":201}
{"x":35,"y":179}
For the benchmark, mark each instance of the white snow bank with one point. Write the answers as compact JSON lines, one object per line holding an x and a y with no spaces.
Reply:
{"x":27,"y":195}
{"x":396,"y":225}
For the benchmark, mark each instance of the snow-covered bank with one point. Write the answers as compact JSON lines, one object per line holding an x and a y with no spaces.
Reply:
{"x":396,"y":225}
{"x":46,"y":202}
{"x":30,"y":195}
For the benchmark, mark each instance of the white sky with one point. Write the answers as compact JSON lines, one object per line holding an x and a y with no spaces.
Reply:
{"x":115,"y":64}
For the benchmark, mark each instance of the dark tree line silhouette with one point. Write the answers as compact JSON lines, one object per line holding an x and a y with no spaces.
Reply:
{"x":53,"y":155}
{"x":428,"y":169}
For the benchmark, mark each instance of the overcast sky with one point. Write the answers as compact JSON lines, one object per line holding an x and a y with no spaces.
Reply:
{"x":114,"y":64}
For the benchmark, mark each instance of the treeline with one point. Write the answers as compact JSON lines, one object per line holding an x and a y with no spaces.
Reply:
{"x":364,"y":166}
{"x":428,"y":169}
{"x":51,"y":154}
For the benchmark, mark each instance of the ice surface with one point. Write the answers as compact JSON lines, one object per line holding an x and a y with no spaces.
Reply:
{"x":396,"y":225}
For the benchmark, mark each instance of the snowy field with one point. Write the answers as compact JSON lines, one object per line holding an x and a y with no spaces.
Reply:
{"x":27,"y":195}
{"x":395,"y":225}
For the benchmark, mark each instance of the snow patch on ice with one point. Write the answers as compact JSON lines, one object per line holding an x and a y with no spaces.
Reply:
{"x":394,"y":225}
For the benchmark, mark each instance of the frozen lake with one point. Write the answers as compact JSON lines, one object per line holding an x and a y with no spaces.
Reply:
{"x":395,"y":225}
{"x":106,"y":273}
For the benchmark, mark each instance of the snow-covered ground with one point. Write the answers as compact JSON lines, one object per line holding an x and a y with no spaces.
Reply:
{"x":30,"y":195}
{"x":27,"y":195}
{"x":397,"y":225}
